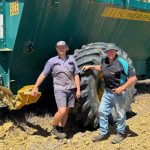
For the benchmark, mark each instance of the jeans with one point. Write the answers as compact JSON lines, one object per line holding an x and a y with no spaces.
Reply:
{"x":108,"y":101}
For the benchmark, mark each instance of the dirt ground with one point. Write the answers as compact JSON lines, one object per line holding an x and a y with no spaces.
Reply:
{"x":33,"y":134}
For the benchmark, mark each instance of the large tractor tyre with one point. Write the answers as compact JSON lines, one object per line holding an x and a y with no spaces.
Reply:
{"x":1,"y":81}
{"x":92,"y":84}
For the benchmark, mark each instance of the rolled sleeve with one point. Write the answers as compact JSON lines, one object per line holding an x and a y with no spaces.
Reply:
{"x":76,"y":68}
{"x":132,"y":72}
{"x":47,"y":68}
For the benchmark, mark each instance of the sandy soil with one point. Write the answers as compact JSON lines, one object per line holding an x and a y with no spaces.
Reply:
{"x":33,"y":134}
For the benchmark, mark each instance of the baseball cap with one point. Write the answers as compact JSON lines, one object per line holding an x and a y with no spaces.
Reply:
{"x":111,"y":46}
{"x":60,"y":43}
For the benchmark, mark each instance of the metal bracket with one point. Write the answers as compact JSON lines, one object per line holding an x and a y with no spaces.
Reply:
{"x":29,"y":46}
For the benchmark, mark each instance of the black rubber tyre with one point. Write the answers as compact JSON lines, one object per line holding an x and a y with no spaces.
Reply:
{"x":1,"y":81}
{"x":92,"y":84}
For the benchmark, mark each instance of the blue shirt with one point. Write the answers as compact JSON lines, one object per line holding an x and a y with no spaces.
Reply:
{"x":62,"y":71}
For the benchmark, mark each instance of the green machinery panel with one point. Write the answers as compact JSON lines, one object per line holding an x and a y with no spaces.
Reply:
{"x":32,"y":27}
{"x":10,"y":13}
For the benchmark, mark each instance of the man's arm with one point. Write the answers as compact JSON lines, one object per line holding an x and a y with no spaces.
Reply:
{"x":93,"y":67}
{"x":77,"y":81}
{"x":39,"y":81}
{"x":131,"y":81}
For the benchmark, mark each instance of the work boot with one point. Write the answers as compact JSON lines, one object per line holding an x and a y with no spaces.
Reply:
{"x":118,"y":138}
{"x":57,"y":133}
{"x":100,"y":138}
{"x":61,"y":129}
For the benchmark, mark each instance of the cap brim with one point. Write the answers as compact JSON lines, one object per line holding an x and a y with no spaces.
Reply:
{"x":110,"y":49}
{"x":61,"y":45}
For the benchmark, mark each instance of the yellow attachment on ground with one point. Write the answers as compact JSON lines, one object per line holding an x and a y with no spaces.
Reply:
{"x":23,"y":97}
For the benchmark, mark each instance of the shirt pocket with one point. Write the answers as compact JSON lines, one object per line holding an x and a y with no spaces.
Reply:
{"x":71,"y":66}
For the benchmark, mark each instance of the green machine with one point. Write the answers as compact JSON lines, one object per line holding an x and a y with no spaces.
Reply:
{"x":10,"y":14}
{"x":29,"y":30}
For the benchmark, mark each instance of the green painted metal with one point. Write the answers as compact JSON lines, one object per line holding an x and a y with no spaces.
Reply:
{"x":12,"y":23}
{"x":40,"y":24}
{"x":8,"y":31}
{"x":138,"y":4}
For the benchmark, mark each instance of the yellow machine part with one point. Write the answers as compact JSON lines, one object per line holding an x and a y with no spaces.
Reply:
{"x":23,"y":97}
{"x":100,"y":91}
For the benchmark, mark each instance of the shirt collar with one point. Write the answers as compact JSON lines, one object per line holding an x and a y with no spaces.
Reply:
{"x":67,"y":56}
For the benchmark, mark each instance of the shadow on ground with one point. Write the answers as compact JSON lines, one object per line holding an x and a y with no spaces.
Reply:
{"x":143,"y":87}
{"x":129,"y":132}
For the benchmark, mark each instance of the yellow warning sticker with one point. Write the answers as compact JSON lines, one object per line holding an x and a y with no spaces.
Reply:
{"x":125,"y":14}
{"x":14,"y":8}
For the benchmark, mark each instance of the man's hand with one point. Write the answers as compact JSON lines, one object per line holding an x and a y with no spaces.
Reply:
{"x":118,"y":90}
{"x":34,"y":91}
{"x":84,"y":68}
{"x":78,"y":94}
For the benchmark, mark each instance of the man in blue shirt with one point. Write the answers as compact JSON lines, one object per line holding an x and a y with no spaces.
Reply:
{"x":114,"y":92}
{"x":66,"y":83}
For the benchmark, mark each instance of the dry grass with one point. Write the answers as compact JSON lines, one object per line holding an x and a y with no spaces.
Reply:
{"x":30,"y":131}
